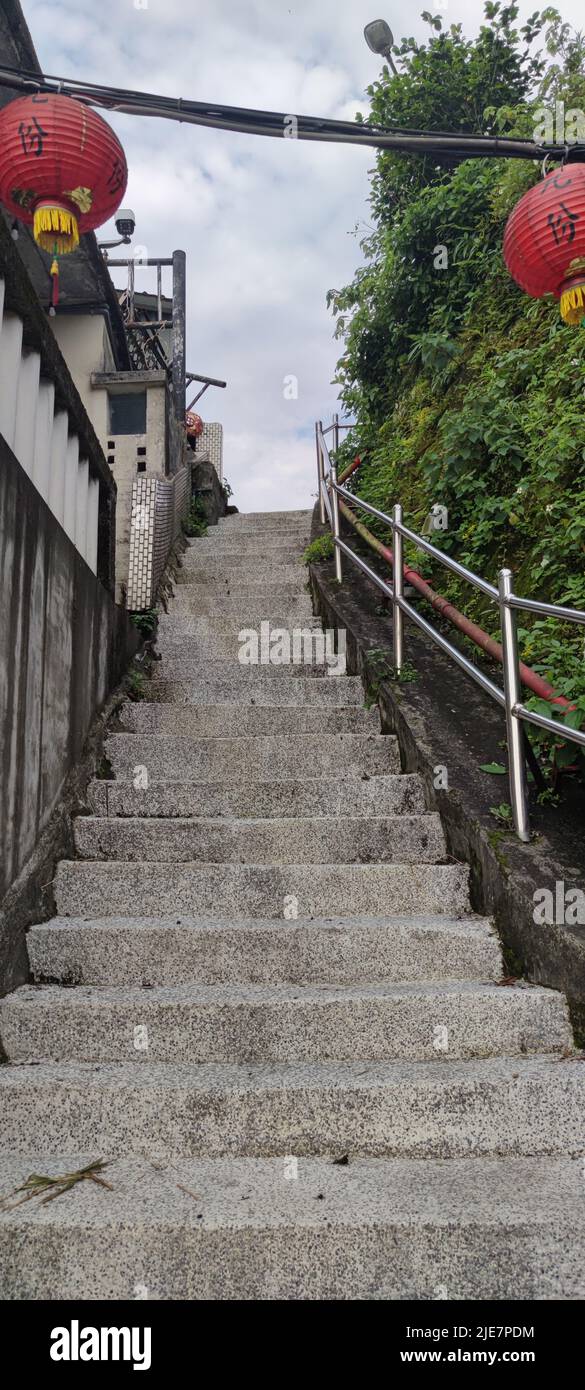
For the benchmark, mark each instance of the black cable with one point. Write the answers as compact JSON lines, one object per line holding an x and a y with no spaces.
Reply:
{"x":277,"y":124}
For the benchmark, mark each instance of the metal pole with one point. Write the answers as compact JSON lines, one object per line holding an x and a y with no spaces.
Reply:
{"x":320,"y":471}
{"x":335,"y":437}
{"x":335,"y":520}
{"x":512,"y":692}
{"x":131,"y":290}
{"x":398,"y":587}
{"x":159,"y":291}
{"x":178,"y":356}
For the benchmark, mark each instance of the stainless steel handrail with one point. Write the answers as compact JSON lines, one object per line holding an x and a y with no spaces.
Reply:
{"x":425,"y":545}
{"x":509,"y":699}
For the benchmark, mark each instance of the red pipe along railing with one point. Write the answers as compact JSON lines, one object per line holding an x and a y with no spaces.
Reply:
{"x":448,"y":610}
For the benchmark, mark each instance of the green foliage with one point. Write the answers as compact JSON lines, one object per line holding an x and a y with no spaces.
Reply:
{"x":135,"y":685}
{"x":465,"y":391}
{"x":320,"y":549}
{"x":145,"y":622}
{"x":503,"y":814}
{"x":195,"y":522}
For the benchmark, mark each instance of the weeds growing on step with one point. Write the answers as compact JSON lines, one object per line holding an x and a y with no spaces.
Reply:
{"x":135,"y":685}
{"x":195,"y":522}
{"x":320,"y":549}
{"x":145,"y":622}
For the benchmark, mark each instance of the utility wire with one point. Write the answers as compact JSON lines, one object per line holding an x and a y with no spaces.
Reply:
{"x":278,"y":124}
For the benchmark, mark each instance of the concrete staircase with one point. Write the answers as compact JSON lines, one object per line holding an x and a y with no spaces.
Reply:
{"x":266,"y":1003}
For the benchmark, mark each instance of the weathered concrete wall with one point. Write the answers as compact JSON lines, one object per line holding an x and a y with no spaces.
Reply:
{"x":207,"y":490}
{"x":63,"y":647}
{"x":84,"y":342}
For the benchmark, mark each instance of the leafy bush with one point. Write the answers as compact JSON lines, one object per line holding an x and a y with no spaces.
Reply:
{"x":465,"y":391}
{"x":320,"y":549}
{"x":145,"y":622}
{"x":195,"y":523}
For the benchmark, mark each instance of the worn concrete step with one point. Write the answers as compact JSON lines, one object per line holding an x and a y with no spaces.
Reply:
{"x":214,"y":721}
{"x":393,"y":795}
{"x":276,"y":541}
{"x":285,"y":549}
{"x":105,"y":888}
{"x":324,"y":695}
{"x":224,"y":572}
{"x":258,"y":759}
{"x":262,"y":644}
{"x":443,"y":1110}
{"x":246,"y":523}
{"x":249,"y":606}
{"x":287,"y":840}
{"x":264,"y":521}
{"x":228,"y":645}
{"x":236,"y":676}
{"x":269,"y":1229}
{"x":281,"y":1023}
{"x":176,"y":629}
{"x":175,"y":951}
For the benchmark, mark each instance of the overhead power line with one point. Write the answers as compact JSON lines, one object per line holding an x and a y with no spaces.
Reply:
{"x":279,"y":124}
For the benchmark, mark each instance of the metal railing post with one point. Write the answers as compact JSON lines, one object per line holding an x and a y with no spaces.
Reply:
{"x":398,"y":589}
{"x":335,"y":437}
{"x":335,"y":519}
{"x":512,"y":692}
{"x":320,"y":471}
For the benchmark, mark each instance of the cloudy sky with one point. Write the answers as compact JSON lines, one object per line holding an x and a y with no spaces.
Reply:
{"x":267,"y":224}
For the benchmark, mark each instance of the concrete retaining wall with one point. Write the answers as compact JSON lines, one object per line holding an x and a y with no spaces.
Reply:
{"x":63,"y":647}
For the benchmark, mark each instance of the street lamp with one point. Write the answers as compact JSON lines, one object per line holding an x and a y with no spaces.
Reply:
{"x":379,"y":38}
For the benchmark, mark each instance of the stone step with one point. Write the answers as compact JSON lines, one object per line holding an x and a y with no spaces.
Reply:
{"x":258,"y":759}
{"x":419,"y":1110}
{"x":225,"y":572}
{"x":171,"y":951}
{"x":224,"y":646}
{"x":267,"y":1229}
{"x":176,"y":629}
{"x":101,"y":888}
{"x":323,"y":696}
{"x":287,"y":550}
{"x":240,"y":675}
{"x":248,"y":604}
{"x":281,"y":1023}
{"x":393,"y":795}
{"x":264,"y":521}
{"x":288,"y":840}
{"x":215,"y":720}
{"x":276,"y":541}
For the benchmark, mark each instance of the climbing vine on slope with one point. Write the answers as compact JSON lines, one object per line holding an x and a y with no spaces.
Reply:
{"x":466,"y":392}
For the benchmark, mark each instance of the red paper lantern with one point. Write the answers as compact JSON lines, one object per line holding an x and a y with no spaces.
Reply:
{"x":544,"y":240}
{"x":62,"y":169}
{"x":193,"y":425}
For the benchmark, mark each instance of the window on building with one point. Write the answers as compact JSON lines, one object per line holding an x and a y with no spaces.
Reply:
{"x":127,"y":412}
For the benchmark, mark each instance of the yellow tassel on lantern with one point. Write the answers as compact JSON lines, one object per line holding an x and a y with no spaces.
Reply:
{"x":573,"y":304}
{"x":55,"y":229}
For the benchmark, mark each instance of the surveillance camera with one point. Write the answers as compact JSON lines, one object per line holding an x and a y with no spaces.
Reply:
{"x":125,"y":222}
